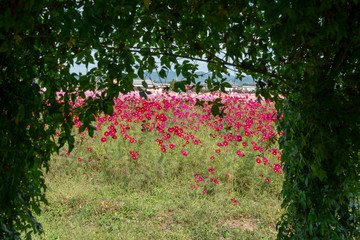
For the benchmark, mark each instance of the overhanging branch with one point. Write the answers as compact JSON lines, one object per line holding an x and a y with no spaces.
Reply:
{"x":242,"y":66}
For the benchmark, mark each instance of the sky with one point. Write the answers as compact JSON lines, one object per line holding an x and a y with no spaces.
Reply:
{"x":82,"y":67}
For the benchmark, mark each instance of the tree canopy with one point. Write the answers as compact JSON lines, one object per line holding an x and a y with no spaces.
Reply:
{"x":304,"y":55}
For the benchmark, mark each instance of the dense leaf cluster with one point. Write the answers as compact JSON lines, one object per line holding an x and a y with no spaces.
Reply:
{"x":303,"y":54}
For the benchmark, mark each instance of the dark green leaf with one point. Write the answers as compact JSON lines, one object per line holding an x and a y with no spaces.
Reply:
{"x":162,"y":73}
{"x":215,"y":110}
{"x":143,"y":94}
{"x":91,"y":130}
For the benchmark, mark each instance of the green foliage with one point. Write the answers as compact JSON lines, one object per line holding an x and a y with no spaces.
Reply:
{"x":303,"y":54}
{"x":172,"y":84}
{"x":320,"y":117}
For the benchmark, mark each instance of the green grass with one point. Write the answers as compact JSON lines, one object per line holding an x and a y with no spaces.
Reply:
{"x":152,"y":198}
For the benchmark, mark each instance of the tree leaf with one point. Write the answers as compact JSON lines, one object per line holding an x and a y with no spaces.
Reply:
{"x":147,"y":4}
{"x":143,"y":94}
{"x":215,"y":110}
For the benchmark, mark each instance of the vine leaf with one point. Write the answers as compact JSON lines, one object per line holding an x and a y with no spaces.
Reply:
{"x":147,"y":4}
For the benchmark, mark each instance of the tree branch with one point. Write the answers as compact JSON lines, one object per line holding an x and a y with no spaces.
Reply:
{"x":243,"y":65}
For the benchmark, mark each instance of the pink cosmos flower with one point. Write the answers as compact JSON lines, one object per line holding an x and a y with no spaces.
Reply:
{"x":184,"y":153}
{"x":240,"y":153}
